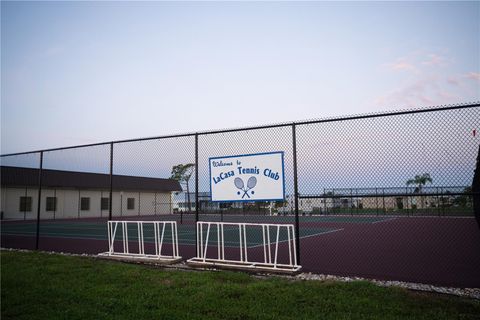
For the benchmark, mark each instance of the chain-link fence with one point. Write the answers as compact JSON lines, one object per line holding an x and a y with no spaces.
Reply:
{"x":387,"y":196}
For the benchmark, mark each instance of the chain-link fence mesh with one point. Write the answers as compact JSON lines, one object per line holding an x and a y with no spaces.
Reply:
{"x":19,"y":200}
{"x":140,"y":171}
{"x":395,"y":193}
{"x":144,"y":191}
{"x":384,"y":195}
{"x":74,"y":183}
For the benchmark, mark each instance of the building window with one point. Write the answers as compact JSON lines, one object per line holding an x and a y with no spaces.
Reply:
{"x":104,"y":204}
{"x":130,"y":203}
{"x":25,"y":204}
{"x":84,"y":204}
{"x":51,"y":204}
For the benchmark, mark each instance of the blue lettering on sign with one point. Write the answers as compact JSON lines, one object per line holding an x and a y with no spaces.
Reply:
{"x":223,"y":176}
{"x":221,"y":164}
{"x":242,"y":170}
{"x":270,"y":174}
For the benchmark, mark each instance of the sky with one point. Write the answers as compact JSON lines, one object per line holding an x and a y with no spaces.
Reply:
{"x":85,"y":72}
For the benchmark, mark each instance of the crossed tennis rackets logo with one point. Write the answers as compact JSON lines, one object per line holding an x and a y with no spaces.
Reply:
{"x":251,"y":183}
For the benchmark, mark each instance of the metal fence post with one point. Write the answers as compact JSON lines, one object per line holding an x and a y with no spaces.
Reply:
{"x":383,"y":200}
{"x":196,"y":190}
{"x":476,"y":189}
{"x":443,"y":202}
{"x":40,"y":173}
{"x":24,"y":209}
{"x":351,"y":202}
{"x":324,"y":202}
{"x":196,"y":177}
{"x":438,"y":207}
{"x":55,"y":202}
{"x":357,"y":202}
{"x":406,"y":202}
{"x":110,"y":202}
{"x":295,"y":184}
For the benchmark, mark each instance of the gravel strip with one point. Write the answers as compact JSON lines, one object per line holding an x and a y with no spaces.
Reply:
{"x":462,"y":292}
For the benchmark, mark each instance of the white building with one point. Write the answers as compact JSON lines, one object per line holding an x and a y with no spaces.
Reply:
{"x":314,"y":205}
{"x":180,"y":203}
{"x":68,"y":194}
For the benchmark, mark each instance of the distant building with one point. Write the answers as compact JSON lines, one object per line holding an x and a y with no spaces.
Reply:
{"x":68,"y":194}
{"x":205,"y":204}
{"x":416,"y":201}
{"x":315,"y":205}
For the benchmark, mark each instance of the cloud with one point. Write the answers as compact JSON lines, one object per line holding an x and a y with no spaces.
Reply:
{"x":431,"y":80}
{"x":436,"y":60}
{"x":416,"y":61}
{"x":447,"y":96}
{"x":427,"y":90}
{"x":473,"y":76}
{"x":401,"y":64}
{"x":453,"y":81}
{"x":409,"y":95}
{"x":464,"y":79}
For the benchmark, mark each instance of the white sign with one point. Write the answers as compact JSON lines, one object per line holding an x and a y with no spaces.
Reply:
{"x":251,"y":177}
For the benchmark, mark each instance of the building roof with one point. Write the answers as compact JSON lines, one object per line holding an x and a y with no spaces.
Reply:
{"x":17,"y":176}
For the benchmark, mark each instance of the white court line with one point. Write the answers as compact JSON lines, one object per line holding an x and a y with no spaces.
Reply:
{"x":384,"y":220}
{"x":230,"y":244}
{"x":234,"y":244}
{"x":60,"y":235}
{"x":232,"y":228}
{"x":304,"y":237}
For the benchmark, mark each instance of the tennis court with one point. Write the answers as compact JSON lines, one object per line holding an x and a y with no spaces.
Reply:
{"x":96,"y":228}
{"x":186,"y":234}
{"x":435,"y":250}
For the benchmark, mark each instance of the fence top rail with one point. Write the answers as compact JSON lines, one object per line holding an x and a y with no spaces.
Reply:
{"x":141,"y":221}
{"x":380,"y":195}
{"x":278,"y":125}
{"x":246,"y":224}
{"x":433,"y":187}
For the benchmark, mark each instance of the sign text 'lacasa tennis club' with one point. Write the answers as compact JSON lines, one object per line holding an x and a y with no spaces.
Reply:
{"x":250,"y":177}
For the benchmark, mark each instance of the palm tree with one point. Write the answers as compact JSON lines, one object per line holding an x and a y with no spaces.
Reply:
{"x":182,"y":173}
{"x":420,"y":181}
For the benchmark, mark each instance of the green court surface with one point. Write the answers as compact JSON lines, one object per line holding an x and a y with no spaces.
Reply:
{"x":255,"y":235}
{"x":186,"y":233}
{"x":288,"y":218}
{"x":73,"y":230}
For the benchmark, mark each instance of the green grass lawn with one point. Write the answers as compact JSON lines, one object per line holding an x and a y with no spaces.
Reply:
{"x":43,"y":286}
